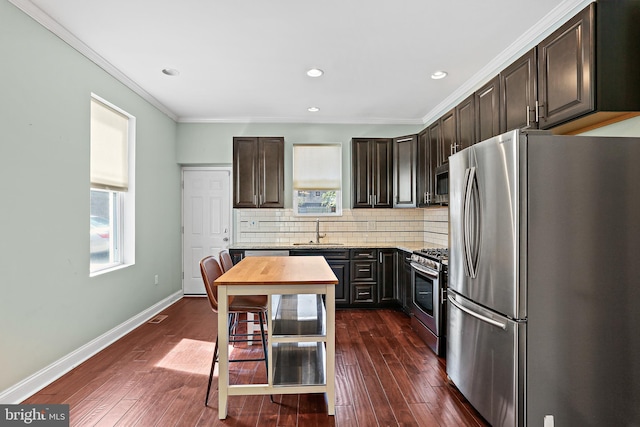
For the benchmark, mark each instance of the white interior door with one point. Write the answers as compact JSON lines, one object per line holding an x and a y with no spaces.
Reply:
{"x":206,"y":221}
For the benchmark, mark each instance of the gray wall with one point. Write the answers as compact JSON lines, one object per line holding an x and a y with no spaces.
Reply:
{"x":49,"y":306}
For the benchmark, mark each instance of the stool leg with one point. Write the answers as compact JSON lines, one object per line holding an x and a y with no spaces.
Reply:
{"x":262,"y":319}
{"x":213,"y":364}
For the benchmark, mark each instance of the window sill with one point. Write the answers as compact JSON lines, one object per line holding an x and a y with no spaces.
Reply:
{"x":109,"y":270}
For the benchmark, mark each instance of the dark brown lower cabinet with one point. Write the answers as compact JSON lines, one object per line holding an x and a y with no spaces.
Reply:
{"x":367,"y":277}
{"x":339,"y":262}
{"x":387,"y":283}
{"x":403,"y":269}
{"x":363,"y":276}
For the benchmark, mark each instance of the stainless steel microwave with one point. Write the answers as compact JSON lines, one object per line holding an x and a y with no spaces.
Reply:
{"x":442,"y":185}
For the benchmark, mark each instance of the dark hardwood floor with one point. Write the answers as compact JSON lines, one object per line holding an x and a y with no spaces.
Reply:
{"x":157,"y":376}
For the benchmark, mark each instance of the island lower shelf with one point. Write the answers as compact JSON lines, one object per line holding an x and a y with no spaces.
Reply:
{"x":299,"y":364}
{"x":298,"y":340}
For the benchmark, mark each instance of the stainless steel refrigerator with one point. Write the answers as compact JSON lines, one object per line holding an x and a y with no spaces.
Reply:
{"x":544,"y":279}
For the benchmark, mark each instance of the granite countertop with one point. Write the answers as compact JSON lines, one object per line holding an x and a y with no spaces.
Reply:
{"x":405,"y":246}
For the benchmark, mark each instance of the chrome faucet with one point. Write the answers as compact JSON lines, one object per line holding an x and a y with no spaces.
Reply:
{"x":318,"y":235}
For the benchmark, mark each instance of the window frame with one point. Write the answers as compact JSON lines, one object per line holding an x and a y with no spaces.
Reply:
{"x":295,"y":191}
{"x":125,"y":201}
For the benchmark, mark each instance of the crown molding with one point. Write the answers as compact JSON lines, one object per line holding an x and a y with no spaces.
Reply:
{"x":296,"y":120}
{"x":65,"y":35}
{"x":549,"y":23}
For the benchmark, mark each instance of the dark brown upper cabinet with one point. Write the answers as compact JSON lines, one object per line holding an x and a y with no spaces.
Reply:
{"x":519,"y":91}
{"x":258,"y":172}
{"x":487,"y":114}
{"x":447,"y":138}
{"x":404,"y":171}
{"x":427,"y":158}
{"x":566,"y":71}
{"x":588,"y":68}
{"x":372,"y":172}
{"x":465,"y":124}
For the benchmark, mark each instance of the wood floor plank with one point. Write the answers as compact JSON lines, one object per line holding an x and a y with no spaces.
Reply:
{"x":157,"y":376}
{"x":115,"y":413}
{"x":404,"y":382}
{"x":288,"y":416}
{"x":313,"y":411}
{"x":346,"y":416}
{"x":185,"y":408}
{"x":423,"y":415}
{"x":362,"y":405}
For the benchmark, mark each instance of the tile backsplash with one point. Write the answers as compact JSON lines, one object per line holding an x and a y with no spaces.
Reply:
{"x":355,"y":226}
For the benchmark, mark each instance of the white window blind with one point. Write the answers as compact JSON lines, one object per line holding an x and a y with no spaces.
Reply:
{"x":109,"y":148}
{"x":317,"y":167}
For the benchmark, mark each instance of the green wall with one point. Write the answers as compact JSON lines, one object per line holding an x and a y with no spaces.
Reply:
{"x":212,"y":144}
{"x":49,"y":306}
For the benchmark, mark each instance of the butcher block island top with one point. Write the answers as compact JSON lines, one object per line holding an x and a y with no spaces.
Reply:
{"x":275,"y":270}
{"x":300,"y":325}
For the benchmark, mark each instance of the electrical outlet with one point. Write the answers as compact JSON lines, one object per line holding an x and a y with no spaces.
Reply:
{"x":155,"y":280}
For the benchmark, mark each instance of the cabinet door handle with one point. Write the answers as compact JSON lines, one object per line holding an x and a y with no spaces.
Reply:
{"x":539,"y":106}
{"x":528,"y":116}
{"x":255,"y":200}
{"x":364,"y":270}
{"x":380,"y":257}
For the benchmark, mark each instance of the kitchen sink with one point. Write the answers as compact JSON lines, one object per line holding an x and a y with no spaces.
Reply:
{"x":317,"y":244}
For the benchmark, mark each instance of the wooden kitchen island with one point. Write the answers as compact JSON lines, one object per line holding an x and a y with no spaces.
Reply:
{"x":301,"y":325}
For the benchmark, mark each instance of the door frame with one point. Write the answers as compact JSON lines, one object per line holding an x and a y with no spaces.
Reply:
{"x":231,"y":217}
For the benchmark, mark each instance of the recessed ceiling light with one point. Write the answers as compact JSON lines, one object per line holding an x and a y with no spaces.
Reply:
{"x":313,"y":109}
{"x":171,"y":72}
{"x":439,"y":75}
{"x":315,"y":72}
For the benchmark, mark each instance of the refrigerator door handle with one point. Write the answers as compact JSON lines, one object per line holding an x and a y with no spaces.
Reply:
{"x":469,"y":257}
{"x":465,"y":244}
{"x":478,"y":316}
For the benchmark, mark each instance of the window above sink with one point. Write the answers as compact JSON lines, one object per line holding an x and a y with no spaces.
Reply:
{"x":317,"y":179}
{"x":317,"y":202}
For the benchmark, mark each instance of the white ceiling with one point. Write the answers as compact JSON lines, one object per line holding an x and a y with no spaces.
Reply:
{"x":245,"y":60}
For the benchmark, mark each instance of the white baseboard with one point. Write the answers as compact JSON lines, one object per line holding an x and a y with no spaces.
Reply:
{"x":31,"y":385}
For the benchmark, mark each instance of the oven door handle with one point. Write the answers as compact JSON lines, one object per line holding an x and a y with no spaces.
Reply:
{"x":429,"y":272}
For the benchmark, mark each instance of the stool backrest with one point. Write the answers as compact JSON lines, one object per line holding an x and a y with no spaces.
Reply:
{"x":225,"y":260}
{"x":211,"y":270}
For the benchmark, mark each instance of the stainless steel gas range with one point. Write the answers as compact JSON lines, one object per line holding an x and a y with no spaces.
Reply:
{"x":429,"y":296}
